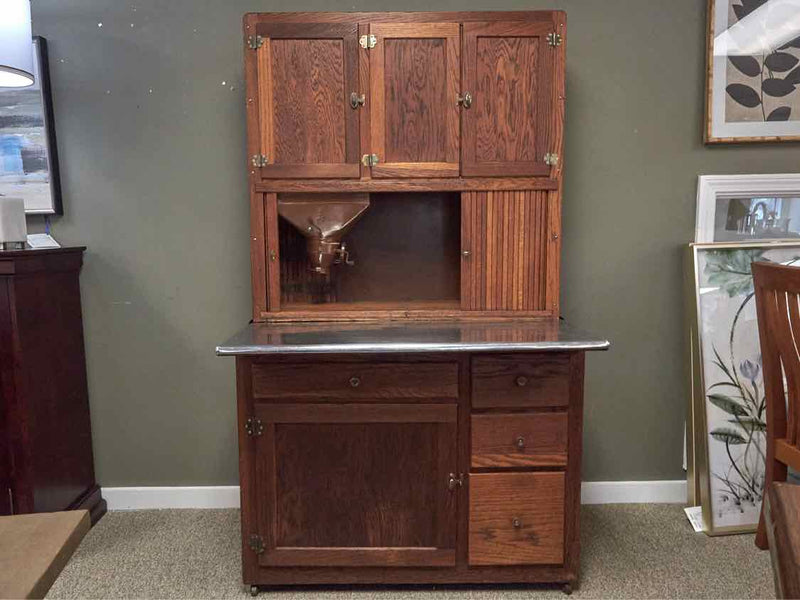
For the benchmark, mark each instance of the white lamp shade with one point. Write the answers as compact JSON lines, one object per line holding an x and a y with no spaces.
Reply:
{"x":16,"y":47}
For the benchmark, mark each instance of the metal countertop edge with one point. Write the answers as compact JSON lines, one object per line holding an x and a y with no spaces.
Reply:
{"x":410,"y":347}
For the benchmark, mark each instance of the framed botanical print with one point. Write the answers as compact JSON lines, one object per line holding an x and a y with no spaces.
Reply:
{"x":748,"y":208}
{"x":28,"y":153}
{"x":727,"y":433}
{"x":753,"y":71}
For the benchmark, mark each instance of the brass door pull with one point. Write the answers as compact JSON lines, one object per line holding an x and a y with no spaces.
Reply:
{"x":516,"y":523}
{"x":466,"y":253}
{"x":453,"y":482}
{"x":521,"y":381}
{"x":465,"y":100}
{"x":357,"y":100}
{"x":355,"y":382}
{"x":521,"y":443}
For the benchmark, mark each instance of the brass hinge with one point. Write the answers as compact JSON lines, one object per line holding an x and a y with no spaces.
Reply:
{"x":256,"y":544}
{"x":551,"y":159}
{"x":253,"y":427}
{"x":370,"y":160}
{"x":554,"y":39}
{"x":367,"y":41}
{"x":255,"y":42}
{"x":258,"y":160}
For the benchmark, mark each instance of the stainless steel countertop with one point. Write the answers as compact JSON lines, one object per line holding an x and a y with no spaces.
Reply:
{"x":403,"y":336}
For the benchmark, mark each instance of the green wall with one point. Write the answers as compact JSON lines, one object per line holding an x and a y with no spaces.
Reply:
{"x":151,"y":132}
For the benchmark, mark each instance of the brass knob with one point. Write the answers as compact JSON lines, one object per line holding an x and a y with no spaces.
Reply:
{"x":465,"y":100}
{"x":516,"y":523}
{"x":466,"y":253}
{"x":521,"y":443}
{"x":521,"y":381}
{"x":355,"y":382}
{"x":453,"y":482}
{"x":273,"y":256}
{"x":357,"y":100}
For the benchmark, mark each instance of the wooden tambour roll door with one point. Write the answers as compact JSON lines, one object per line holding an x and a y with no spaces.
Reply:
{"x":506,"y":245}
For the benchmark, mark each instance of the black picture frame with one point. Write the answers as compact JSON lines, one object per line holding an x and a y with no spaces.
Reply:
{"x":39,"y":115}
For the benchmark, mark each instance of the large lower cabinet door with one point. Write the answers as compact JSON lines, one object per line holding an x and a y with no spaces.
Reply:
{"x":356,"y":484}
{"x":508,"y":70}
{"x":510,"y":248}
{"x":414,"y":73}
{"x":516,"y":518}
{"x":306,"y":74}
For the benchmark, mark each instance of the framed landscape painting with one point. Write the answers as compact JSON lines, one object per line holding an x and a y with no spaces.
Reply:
{"x":28,"y":154}
{"x":753,"y":71}
{"x":728,"y":422}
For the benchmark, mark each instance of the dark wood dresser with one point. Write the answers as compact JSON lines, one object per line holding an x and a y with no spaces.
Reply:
{"x":410,"y":452}
{"x":46,"y":461}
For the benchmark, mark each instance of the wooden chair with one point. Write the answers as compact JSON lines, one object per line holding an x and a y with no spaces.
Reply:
{"x":777,"y":290}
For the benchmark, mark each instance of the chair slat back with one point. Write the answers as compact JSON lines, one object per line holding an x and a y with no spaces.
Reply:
{"x":777,"y":290}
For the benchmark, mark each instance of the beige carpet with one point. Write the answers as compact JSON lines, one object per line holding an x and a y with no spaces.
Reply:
{"x":629,"y":551}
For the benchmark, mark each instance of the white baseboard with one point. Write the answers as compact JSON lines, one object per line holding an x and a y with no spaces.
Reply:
{"x":633,"y":492}
{"x":592,"y":492}
{"x":140,"y":498}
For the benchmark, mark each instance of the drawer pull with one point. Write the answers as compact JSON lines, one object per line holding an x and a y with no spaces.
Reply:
{"x":355,"y":382}
{"x":522,"y":381}
{"x":521,"y":443}
{"x":516,"y":523}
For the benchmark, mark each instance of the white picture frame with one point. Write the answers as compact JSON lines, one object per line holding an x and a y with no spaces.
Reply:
{"x":711,"y":188}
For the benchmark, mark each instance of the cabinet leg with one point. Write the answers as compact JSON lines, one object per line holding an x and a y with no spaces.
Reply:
{"x":567,"y":588}
{"x":254,"y":590}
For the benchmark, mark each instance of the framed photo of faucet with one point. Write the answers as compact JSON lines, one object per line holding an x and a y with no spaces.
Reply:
{"x":753,"y":71}
{"x":748,"y":208}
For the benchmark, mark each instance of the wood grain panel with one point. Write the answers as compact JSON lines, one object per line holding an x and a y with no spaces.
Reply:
{"x":414,"y":71}
{"x":364,"y":381}
{"x":507,"y":244}
{"x":508,"y":68}
{"x":357,"y":485}
{"x":519,"y":440}
{"x":516,"y":518}
{"x":514,"y":381}
{"x":306,"y":74}
{"x":308,"y":101}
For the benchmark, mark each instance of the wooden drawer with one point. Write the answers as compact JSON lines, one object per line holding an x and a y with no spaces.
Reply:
{"x":516,"y":518}
{"x":356,"y":381}
{"x":519,"y":440}
{"x":521,"y":380}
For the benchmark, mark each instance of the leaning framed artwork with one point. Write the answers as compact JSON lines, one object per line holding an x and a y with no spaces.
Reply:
{"x":753,"y":71}
{"x":28,"y":153}
{"x":728,"y":424}
{"x":748,"y":208}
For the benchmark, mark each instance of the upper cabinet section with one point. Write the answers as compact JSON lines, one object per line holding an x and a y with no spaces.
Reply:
{"x":404,"y":95}
{"x":508,"y":70}
{"x":414,"y":79}
{"x":306,"y":73}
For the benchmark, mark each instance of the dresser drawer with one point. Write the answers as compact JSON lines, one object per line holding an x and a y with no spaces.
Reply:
{"x":519,"y":440}
{"x":516,"y":518}
{"x":357,"y":381}
{"x":520,"y":380}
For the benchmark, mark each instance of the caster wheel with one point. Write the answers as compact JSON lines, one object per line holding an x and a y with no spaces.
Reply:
{"x":254,"y":590}
{"x":567,"y":588}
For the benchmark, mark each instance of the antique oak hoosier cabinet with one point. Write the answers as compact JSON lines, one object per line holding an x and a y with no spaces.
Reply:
{"x":409,"y":403}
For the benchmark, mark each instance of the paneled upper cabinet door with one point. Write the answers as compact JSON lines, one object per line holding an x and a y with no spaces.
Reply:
{"x":508,"y":71}
{"x":306,"y":74}
{"x":414,"y":75}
